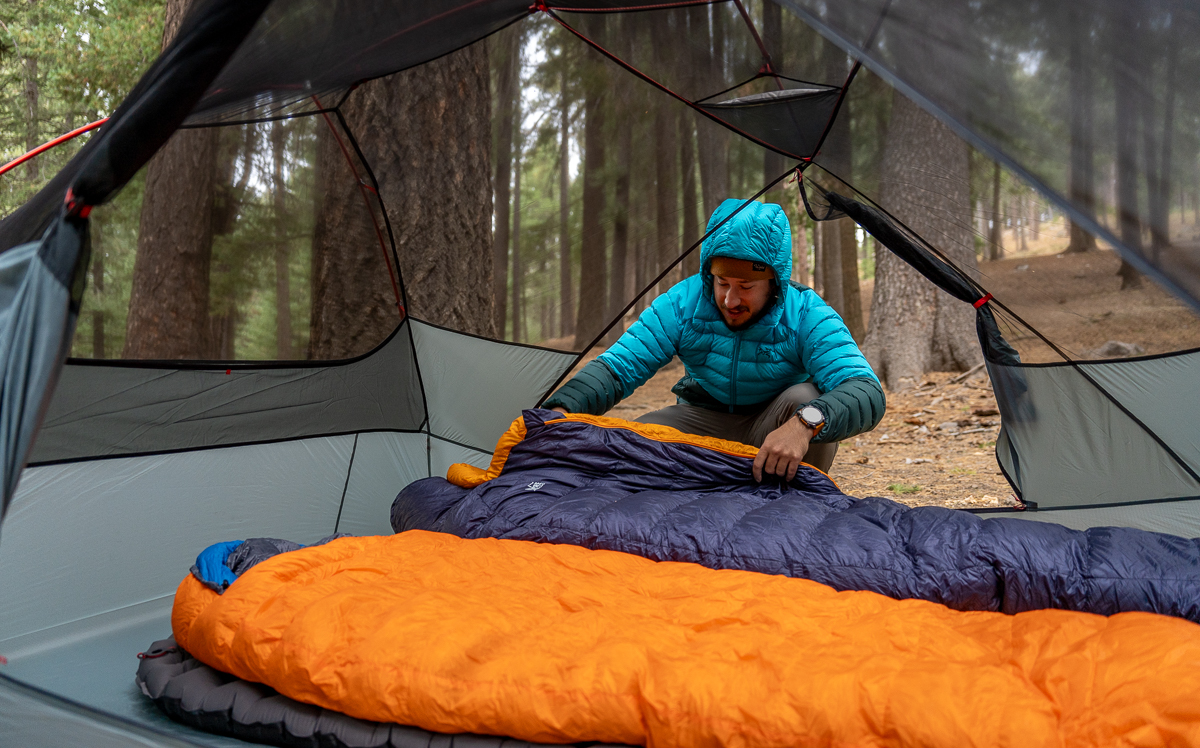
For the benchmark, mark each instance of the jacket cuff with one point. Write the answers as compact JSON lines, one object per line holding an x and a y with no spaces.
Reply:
{"x":594,"y":390}
{"x":854,"y":406}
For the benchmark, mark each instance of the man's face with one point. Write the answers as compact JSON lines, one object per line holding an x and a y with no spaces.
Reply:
{"x":740,"y":300}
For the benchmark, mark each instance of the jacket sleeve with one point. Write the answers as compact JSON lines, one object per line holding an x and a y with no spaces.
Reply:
{"x":854,"y":406}
{"x":649,"y":344}
{"x":853,"y":400}
{"x":594,"y":390}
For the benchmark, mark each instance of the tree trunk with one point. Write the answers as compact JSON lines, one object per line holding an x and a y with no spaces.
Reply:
{"x":97,"y":237}
{"x":566,"y":297}
{"x":507,"y":45}
{"x":995,"y":248}
{"x":800,"y":261}
{"x":839,"y":255}
{"x":617,"y":295}
{"x":1083,"y":180}
{"x":32,"y":115}
{"x":593,"y":282}
{"x":1126,"y":85}
{"x":914,"y":328}
{"x":819,"y":259}
{"x":426,"y":134}
{"x":353,"y":303}
{"x":168,"y":301}
{"x":851,"y":312}
{"x":666,"y":192}
{"x":687,"y":167}
{"x":518,"y":268}
{"x":772,"y":37}
{"x":1023,"y":220}
{"x":714,"y":139}
{"x":1158,"y":161}
{"x":283,"y":295}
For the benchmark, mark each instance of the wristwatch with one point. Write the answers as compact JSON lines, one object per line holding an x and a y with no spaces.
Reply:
{"x":812,"y":417}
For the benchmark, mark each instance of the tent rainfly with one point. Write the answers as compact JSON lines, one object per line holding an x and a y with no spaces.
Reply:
{"x":126,"y":468}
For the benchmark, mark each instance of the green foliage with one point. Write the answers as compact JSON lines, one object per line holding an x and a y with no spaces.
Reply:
{"x":903,"y":488}
{"x":77,"y":59}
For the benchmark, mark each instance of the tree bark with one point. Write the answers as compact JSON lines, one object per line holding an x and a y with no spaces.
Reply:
{"x":1126,"y":100}
{"x":283,"y":294}
{"x":839,"y":254}
{"x":353,"y":303}
{"x":593,"y":281}
{"x":714,"y":139}
{"x":687,"y":166}
{"x":1083,"y":179}
{"x":914,"y":328}
{"x":800,"y":261}
{"x":625,"y":113}
{"x":666,"y":192}
{"x":506,"y":93}
{"x":995,"y":248}
{"x":1158,"y":159}
{"x":851,"y":313}
{"x":518,"y":267}
{"x":32,"y":115}
{"x":566,"y":297}
{"x":97,"y":238}
{"x":168,"y":302}
{"x":426,"y":134}
{"x":772,"y":37}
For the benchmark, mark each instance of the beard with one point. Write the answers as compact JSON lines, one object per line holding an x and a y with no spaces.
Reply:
{"x":743,"y":312}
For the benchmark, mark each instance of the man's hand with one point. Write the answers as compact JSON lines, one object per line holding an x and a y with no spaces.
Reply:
{"x":783,"y":450}
{"x":559,"y":409}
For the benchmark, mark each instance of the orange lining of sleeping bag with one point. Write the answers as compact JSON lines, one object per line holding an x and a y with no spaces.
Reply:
{"x":469,"y":476}
{"x":561,"y":644}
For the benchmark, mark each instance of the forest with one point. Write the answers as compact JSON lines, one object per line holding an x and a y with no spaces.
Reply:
{"x":529,"y":189}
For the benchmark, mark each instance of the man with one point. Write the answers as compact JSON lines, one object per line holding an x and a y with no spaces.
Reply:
{"x":768,"y":362}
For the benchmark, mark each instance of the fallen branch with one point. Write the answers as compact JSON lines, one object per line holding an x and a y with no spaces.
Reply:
{"x":966,"y":374}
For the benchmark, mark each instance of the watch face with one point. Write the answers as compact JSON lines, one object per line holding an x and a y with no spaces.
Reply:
{"x":812,"y":415}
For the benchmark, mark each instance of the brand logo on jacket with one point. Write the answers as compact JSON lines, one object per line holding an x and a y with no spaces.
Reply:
{"x":535,"y":485}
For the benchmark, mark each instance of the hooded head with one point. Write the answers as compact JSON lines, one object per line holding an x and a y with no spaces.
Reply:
{"x":755,"y":245}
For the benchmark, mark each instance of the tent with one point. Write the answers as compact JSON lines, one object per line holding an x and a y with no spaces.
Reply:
{"x":127,"y":468}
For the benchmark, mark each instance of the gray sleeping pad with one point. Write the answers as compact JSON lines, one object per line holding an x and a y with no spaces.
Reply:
{"x":193,"y":693}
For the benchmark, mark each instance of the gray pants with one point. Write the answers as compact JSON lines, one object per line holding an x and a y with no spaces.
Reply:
{"x":747,"y":429}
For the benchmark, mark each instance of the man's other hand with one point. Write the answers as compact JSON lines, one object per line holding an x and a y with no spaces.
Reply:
{"x":783,"y":450}
{"x":559,"y":409}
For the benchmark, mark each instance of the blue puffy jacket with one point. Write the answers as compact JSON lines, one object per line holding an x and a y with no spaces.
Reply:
{"x":799,"y":339}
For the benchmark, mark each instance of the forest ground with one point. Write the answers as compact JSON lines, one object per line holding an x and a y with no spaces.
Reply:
{"x":936,"y":444}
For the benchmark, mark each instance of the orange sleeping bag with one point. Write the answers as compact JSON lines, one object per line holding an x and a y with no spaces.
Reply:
{"x":556,"y":643}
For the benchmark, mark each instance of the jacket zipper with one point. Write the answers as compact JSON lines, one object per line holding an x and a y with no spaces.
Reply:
{"x":737,"y":350}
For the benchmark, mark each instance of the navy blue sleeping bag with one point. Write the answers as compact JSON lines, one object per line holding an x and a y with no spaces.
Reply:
{"x":607,"y":487}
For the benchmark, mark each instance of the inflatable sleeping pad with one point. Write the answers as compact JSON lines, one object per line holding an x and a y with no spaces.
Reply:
{"x":650,"y":490}
{"x":561,"y":644}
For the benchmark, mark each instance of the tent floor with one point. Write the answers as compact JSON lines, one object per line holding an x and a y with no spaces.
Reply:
{"x":93,"y":662}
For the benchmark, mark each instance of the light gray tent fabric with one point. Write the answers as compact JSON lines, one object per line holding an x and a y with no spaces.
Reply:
{"x":471,"y":383}
{"x":1180,"y":518}
{"x":1065,"y":443}
{"x":31,"y":718}
{"x":124,"y":529}
{"x":103,"y":409}
{"x":37,"y":320}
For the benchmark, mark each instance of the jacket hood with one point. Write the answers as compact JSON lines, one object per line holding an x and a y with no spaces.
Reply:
{"x":760,"y":232}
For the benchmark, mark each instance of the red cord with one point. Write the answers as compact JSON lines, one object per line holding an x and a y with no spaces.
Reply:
{"x":50,"y":144}
{"x":363,"y":187}
{"x":982,"y":301}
